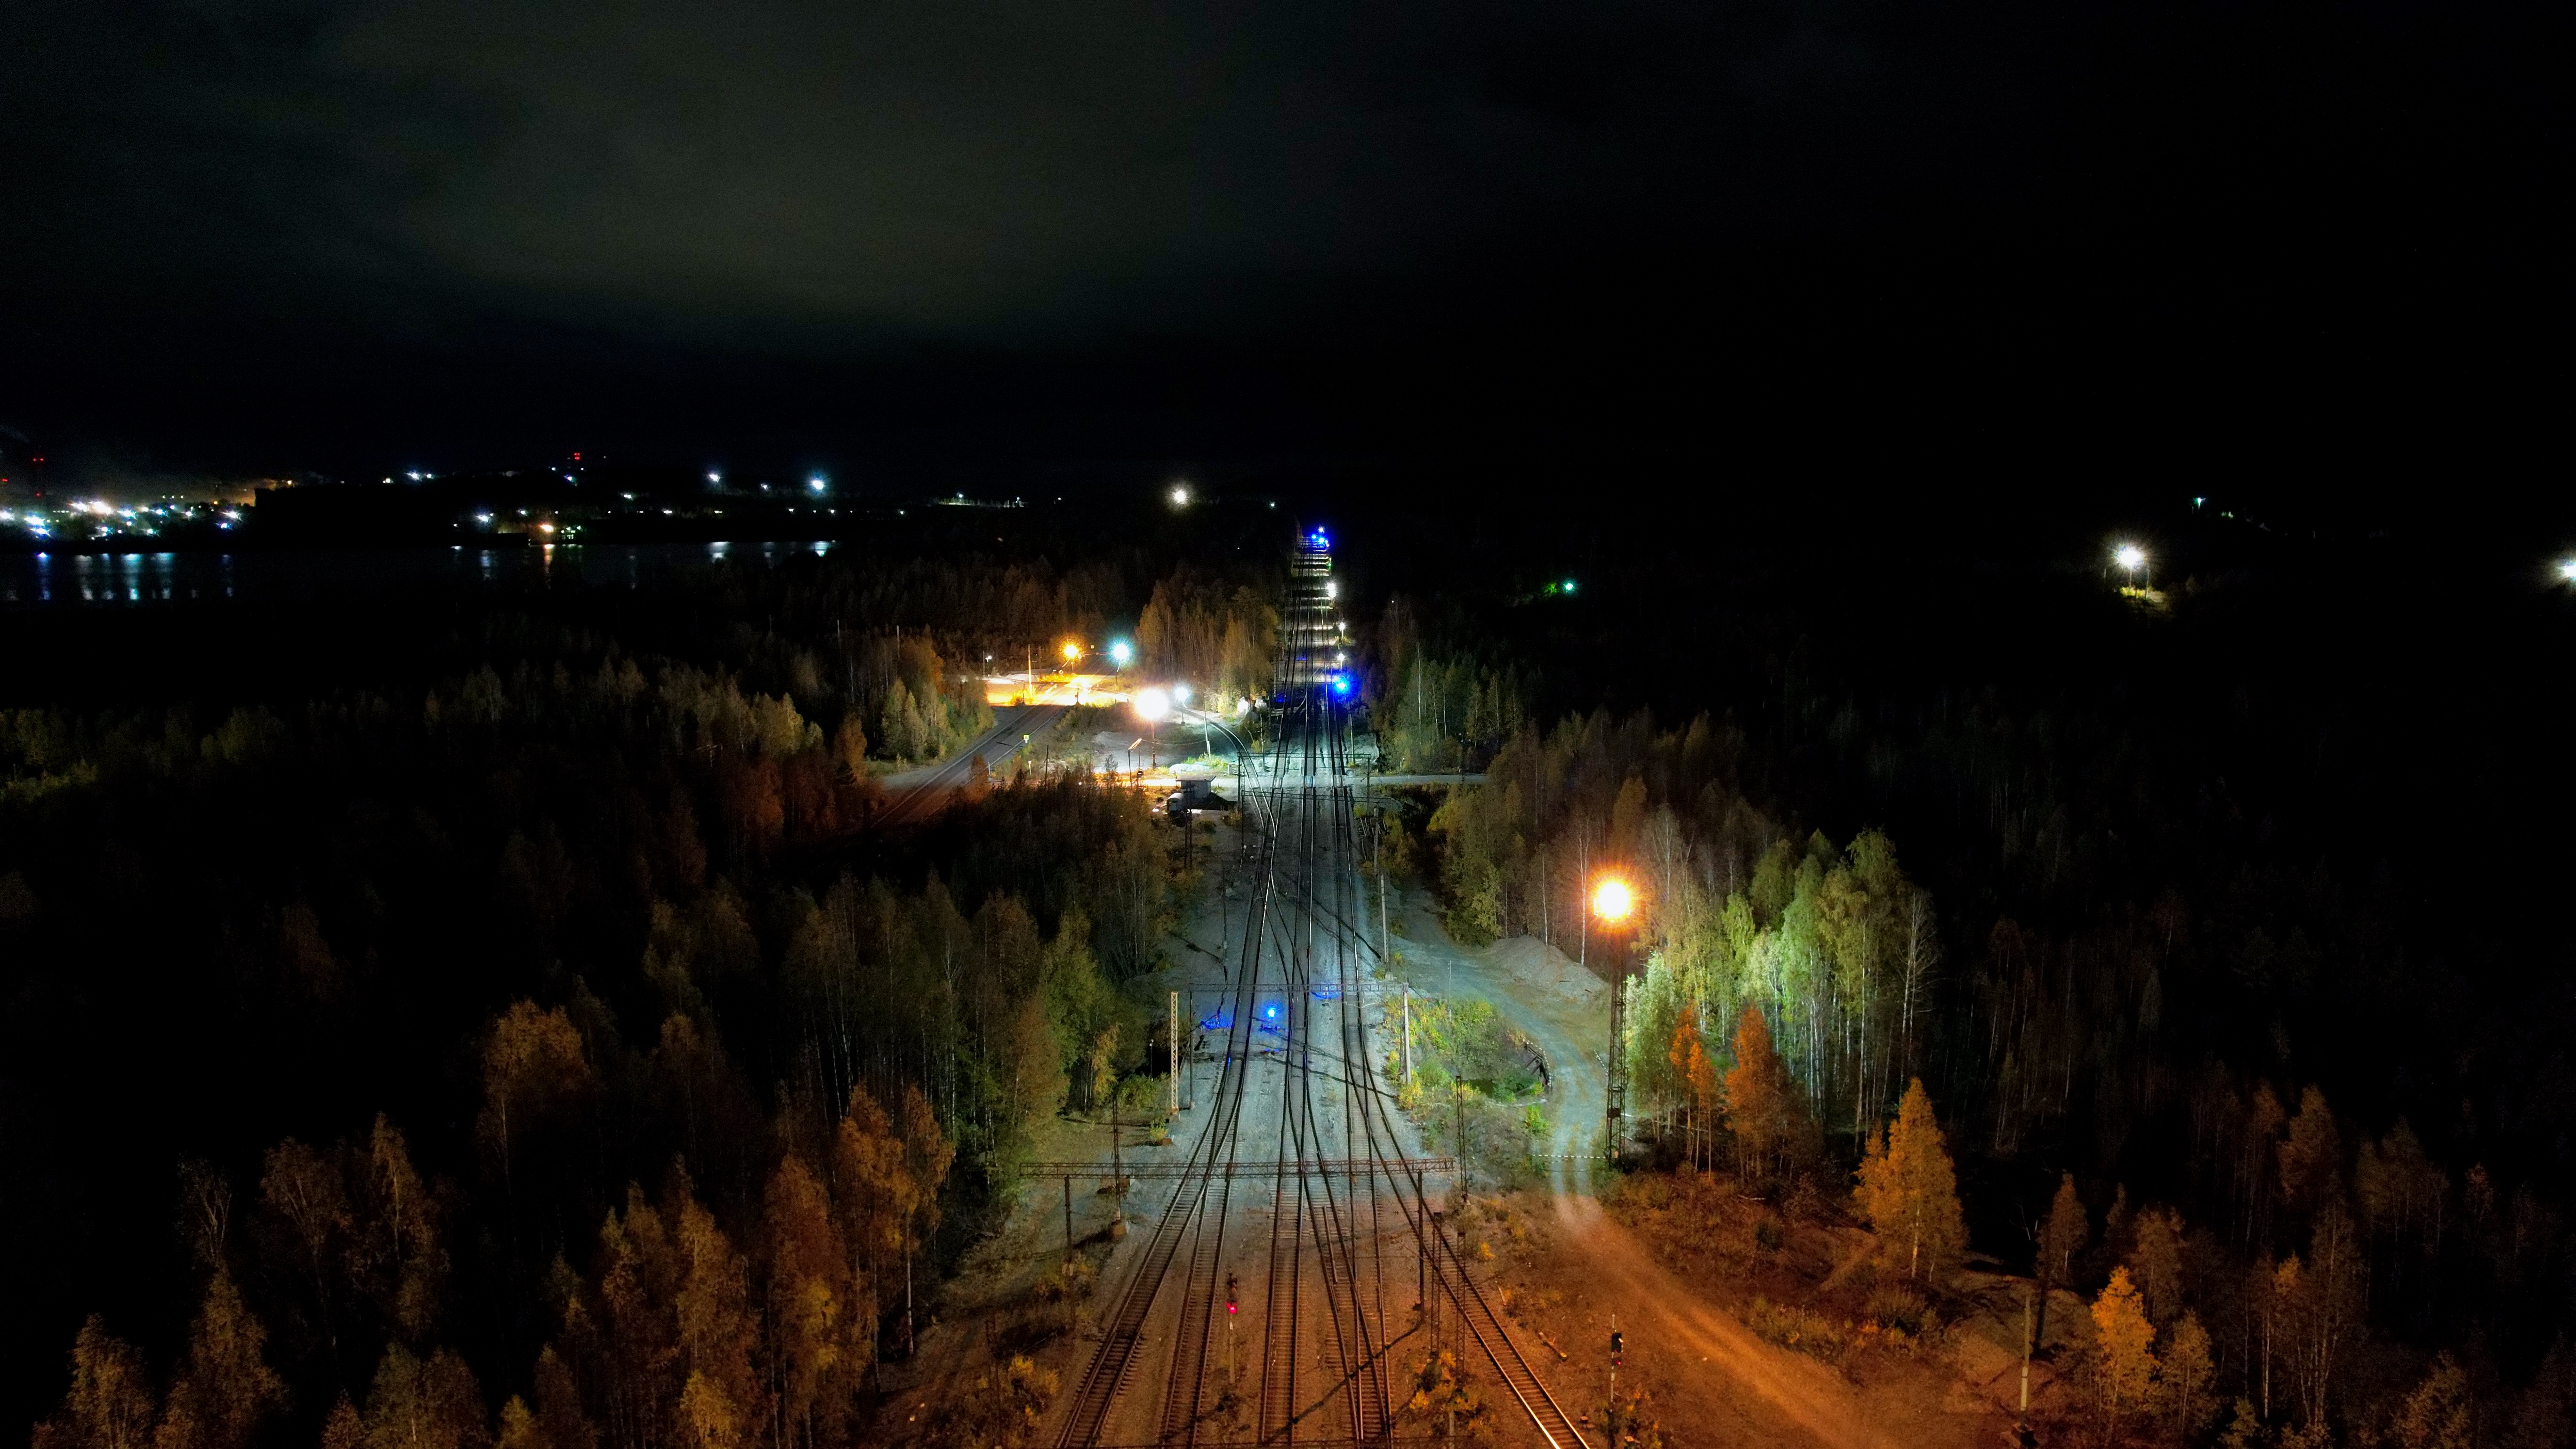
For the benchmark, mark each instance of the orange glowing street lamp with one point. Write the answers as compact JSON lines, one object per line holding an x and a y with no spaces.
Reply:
{"x":1072,"y":651}
{"x":1613,"y":902}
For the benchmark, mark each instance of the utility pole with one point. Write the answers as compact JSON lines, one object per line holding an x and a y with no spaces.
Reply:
{"x":1408,"y":1036}
{"x":1068,"y":1217}
{"x":1117,"y":1178}
{"x":1458,"y":1097}
{"x":2021,"y":1425}
{"x":1175,"y":1112}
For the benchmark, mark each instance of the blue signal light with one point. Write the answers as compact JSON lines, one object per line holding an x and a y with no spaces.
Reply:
{"x":1341,"y":684}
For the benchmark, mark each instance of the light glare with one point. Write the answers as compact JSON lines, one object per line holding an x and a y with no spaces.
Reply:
{"x":1152,"y":705}
{"x":1611,"y":901}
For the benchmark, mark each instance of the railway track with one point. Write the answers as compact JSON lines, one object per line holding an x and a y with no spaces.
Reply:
{"x":1350,"y":1212}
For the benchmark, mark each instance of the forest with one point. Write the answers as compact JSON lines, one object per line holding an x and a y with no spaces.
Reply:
{"x":487,"y":1017}
{"x":2174,"y":944}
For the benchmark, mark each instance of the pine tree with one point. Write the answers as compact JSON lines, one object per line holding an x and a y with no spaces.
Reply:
{"x":1909,"y":1192}
{"x":2124,"y":1362}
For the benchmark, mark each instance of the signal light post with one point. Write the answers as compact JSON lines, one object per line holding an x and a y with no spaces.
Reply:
{"x":1614,"y":903}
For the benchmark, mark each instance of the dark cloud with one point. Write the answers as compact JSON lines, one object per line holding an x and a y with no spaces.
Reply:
{"x":484,"y":215}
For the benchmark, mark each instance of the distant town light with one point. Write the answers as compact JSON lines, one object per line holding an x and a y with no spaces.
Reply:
{"x":715,"y":477}
{"x":1569,"y":586}
{"x":1152,"y":705}
{"x":816,"y":483}
{"x":1180,"y":495}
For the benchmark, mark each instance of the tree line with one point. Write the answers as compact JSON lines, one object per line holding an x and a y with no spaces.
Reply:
{"x":1781,"y":992}
{"x":532,"y":1044}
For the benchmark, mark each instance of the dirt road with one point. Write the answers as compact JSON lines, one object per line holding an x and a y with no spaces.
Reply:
{"x":1711,"y":1381}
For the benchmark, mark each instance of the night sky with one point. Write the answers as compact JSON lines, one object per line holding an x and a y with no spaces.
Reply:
{"x":1021,"y":243}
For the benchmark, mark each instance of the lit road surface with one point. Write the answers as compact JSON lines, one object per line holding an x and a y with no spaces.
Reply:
{"x":918,"y":794}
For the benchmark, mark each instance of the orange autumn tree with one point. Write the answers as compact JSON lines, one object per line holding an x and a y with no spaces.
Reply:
{"x":1698,"y":1080}
{"x":109,"y":1405}
{"x":1909,"y":1193}
{"x":2123,"y":1359}
{"x":1763,"y":1107}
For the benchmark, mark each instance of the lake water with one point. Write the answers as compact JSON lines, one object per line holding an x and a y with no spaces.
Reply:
{"x":179,"y":577}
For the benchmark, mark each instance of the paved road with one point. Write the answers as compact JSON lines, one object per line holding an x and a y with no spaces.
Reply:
{"x":916,"y":795}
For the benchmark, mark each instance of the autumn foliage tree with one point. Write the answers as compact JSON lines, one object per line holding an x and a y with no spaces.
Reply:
{"x":226,"y":1390}
{"x":1763,"y":1107}
{"x":1909,"y":1193}
{"x":2123,"y":1367}
{"x":110,"y":1404}
{"x":2061,"y":1237}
